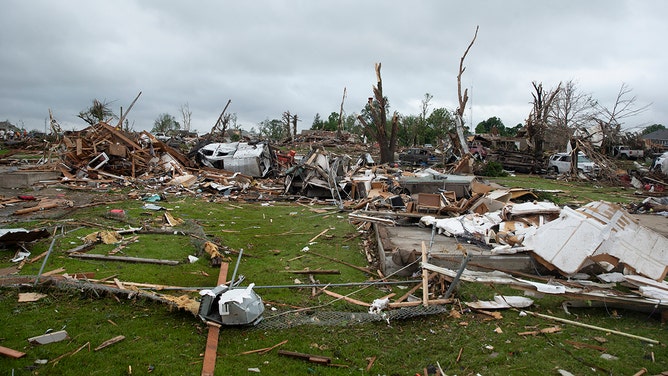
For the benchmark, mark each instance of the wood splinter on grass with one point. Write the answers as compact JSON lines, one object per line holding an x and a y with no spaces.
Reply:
{"x":110,"y":342}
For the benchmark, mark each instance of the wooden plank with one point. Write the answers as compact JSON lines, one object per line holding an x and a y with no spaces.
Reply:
{"x":11,"y":353}
{"x":124,"y":258}
{"x":209,"y":364}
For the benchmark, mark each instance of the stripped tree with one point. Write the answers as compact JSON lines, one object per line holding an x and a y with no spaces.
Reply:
{"x":385,"y":134}
{"x":537,"y":122}
{"x":459,"y":115}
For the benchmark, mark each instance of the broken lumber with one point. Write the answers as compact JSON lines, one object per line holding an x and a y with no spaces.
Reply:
{"x":11,"y":353}
{"x":110,"y":342}
{"x":45,"y":206}
{"x":319,"y":359}
{"x":124,"y":258}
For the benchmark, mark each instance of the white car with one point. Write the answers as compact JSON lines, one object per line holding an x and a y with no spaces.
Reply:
{"x":561,"y":163}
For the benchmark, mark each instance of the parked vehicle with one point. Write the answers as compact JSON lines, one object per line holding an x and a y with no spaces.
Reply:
{"x":561,"y":163}
{"x":625,"y":152}
{"x":417,"y":156}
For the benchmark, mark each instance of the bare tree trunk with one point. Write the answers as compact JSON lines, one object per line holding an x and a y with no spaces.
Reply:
{"x":294,"y":127}
{"x":459,"y":116}
{"x":339,"y":130}
{"x":537,"y":123}
{"x":186,"y":114}
{"x":387,"y":143}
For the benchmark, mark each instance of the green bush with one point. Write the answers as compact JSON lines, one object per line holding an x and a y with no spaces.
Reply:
{"x":493,"y":169}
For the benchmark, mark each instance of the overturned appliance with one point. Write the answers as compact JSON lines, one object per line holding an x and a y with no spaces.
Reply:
{"x":253,"y":159}
{"x":235,"y":306}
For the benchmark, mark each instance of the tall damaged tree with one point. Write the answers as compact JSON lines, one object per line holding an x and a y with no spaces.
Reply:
{"x":290,"y":124}
{"x":610,"y":120}
{"x":385,"y":135}
{"x":339,"y":128}
{"x":538,"y":118}
{"x":459,"y":115}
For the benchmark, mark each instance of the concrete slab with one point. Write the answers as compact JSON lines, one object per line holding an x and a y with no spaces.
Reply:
{"x":25,"y":179}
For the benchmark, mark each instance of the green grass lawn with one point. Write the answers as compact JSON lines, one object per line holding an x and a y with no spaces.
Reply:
{"x":164,"y":341}
{"x":569,"y":192}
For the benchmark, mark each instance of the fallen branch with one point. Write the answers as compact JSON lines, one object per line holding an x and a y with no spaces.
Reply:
{"x":265,"y":350}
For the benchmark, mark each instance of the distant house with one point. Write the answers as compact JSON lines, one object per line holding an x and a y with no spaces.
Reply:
{"x":657,"y":139}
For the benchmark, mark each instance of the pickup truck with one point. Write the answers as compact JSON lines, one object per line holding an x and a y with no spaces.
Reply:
{"x":417,"y":156}
{"x":625,"y":152}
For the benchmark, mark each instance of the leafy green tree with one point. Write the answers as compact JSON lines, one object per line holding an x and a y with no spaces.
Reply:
{"x":408,"y":130}
{"x":332,"y":123}
{"x":271,"y":129}
{"x":652,"y":128}
{"x":488,"y":126}
{"x":98,"y":112}
{"x":317,"y":124}
{"x":165,"y":123}
{"x":512,"y":132}
{"x":352,"y":125}
{"x":442,"y":122}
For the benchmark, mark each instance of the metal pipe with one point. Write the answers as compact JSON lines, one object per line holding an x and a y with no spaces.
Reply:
{"x":41,"y":269}
{"x":234,"y":274}
{"x":455,"y":281}
{"x":348,"y":284}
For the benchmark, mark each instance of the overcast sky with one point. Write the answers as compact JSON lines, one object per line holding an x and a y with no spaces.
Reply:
{"x":269,"y":57}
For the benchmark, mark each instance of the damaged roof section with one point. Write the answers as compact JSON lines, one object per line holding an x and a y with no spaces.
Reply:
{"x":603,"y":233}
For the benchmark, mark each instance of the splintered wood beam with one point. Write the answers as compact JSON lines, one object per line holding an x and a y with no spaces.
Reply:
{"x":209,"y":364}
